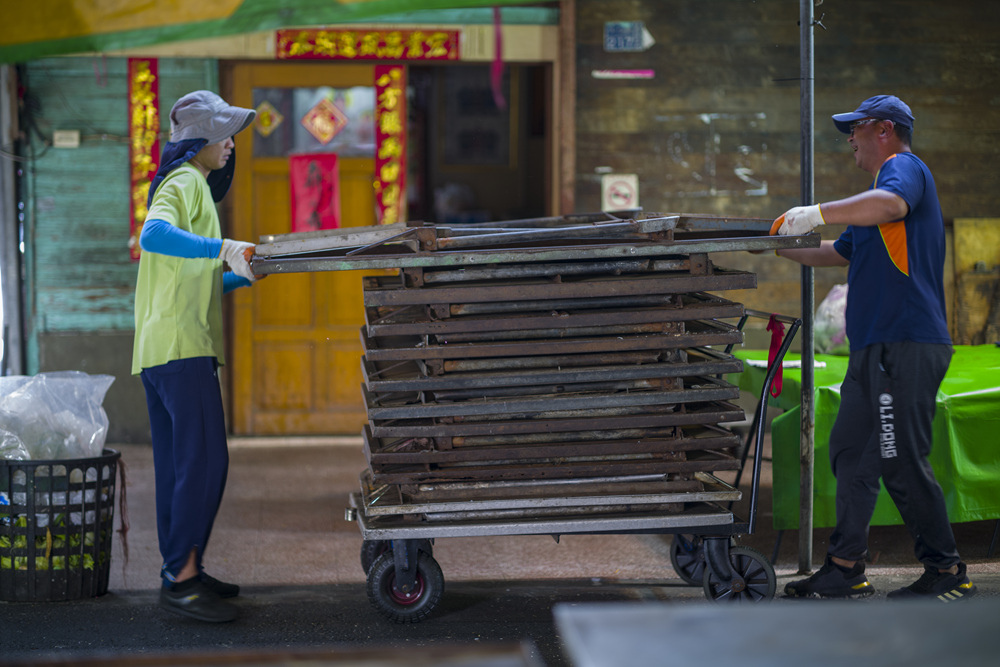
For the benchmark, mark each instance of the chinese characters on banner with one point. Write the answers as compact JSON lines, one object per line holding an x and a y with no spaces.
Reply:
{"x":390,"y":143}
{"x":144,"y":141}
{"x":368,"y":44}
{"x":314,"y":191}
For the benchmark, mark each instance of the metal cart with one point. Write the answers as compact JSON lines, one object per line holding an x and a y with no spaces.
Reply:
{"x":548,"y":377}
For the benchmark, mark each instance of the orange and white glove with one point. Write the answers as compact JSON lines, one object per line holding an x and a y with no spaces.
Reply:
{"x":237,"y":255}
{"x":800,"y":220}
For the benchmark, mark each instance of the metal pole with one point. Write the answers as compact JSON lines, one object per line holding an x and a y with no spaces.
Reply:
{"x":10,"y":282}
{"x":808,"y":421}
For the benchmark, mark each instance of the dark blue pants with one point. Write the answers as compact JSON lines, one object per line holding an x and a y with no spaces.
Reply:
{"x":883,"y":429}
{"x":190,"y":454}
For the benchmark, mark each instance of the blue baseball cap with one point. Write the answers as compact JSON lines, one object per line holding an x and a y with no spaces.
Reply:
{"x":883,"y":107}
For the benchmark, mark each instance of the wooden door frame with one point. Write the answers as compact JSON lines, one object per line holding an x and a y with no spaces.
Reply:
{"x":238,"y":79}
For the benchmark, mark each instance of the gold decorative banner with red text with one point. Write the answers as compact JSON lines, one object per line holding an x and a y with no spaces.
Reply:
{"x":144,"y":141}
{"x":390,"y":143}
{"x":314,"y":44}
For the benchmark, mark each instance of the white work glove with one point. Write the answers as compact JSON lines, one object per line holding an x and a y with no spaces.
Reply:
{"x":801,"y":220}
{"x":237,"y":255}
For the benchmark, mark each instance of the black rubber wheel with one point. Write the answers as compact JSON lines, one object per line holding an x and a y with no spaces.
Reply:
{"x":371,"y":550}
{"x":402,"y":607}
{"x":687,"y":555}
{"x":754,"y":581}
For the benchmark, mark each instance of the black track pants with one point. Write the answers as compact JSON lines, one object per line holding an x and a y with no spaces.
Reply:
{"x":883,"y":429}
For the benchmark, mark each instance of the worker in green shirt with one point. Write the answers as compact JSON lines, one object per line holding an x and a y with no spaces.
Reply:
{"x":178,"y":343}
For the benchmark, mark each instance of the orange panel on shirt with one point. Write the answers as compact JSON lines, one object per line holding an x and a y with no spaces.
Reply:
{"x":894,"y":237}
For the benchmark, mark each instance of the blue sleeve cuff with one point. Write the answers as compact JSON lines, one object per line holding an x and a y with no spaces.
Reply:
{"x":231,"y":281}
{"x":161,"y":237}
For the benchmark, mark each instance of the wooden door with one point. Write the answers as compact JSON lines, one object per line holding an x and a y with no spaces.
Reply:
{"x":294,"y":352}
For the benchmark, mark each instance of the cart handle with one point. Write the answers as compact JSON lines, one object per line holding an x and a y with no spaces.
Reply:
{"x":760,"y":413}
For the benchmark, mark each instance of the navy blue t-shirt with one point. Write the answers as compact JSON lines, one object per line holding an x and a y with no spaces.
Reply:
{"x":895,"y":279}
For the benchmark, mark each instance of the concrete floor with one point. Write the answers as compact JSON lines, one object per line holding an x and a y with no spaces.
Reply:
{"x":282,"y":523}
{"x":282,"y":535}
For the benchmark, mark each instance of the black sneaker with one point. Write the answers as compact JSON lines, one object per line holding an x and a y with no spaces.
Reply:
{"x":220,"y":588}
{"x":196,"y":600}
{"x":833,"y":581}
{"x":944,"y":586}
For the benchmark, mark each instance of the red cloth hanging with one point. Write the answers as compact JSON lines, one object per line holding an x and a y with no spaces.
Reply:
{"x":777,"y":330}
{"x":496,"y":70}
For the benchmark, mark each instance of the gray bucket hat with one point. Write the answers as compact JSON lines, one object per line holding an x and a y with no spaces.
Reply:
{"x":204,"y":115}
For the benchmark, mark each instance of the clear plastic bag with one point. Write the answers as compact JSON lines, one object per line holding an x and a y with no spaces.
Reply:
{"x":830,"y":325}
{"x":53,"y":416}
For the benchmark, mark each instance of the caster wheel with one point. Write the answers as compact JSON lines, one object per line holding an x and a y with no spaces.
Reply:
{"x":753,"y":578}
{"x":687,"y":555}
{"x":402,"y":607}
{"x":371,"y":550}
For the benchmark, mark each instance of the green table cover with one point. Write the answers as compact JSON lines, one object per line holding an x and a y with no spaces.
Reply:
{"x":965,"y":455}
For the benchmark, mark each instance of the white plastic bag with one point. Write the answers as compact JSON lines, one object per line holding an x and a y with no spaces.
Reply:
{"x":53,"y":416}
{"x":830,"y":325}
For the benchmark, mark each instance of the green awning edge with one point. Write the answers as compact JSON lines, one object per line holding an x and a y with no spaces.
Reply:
{"x":262,"y":15}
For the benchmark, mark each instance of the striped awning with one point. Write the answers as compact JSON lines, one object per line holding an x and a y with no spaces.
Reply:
{"x":31,"y":30}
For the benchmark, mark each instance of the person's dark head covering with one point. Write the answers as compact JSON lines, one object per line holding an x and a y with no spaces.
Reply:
{"x":196,"y":120}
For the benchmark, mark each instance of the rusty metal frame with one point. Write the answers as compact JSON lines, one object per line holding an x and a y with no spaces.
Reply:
{"x":429,"y":245}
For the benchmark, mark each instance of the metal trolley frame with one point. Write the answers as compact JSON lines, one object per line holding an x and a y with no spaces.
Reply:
{"x":405,"y":583}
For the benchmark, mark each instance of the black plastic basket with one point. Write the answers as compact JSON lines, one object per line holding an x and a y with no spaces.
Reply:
{"x":56,"y":523}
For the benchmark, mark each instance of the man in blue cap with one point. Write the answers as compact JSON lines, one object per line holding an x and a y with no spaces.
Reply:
{"x":900,"y":350}
{"x":179,"y":343}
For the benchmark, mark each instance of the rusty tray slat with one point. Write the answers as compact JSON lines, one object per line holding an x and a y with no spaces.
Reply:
{"x":715,"y":412}
{"x":557,"y":468}
{"x":391,"y":500}
{"x":698,"y":333}
{"x":567,"y":492}
{"x":695,"y":390}
{"x":409,"y":320}
{"x":382,"y":453}
{"x":389,"y":291}
{"x":538,"y":270}
{"x":412,"y":376}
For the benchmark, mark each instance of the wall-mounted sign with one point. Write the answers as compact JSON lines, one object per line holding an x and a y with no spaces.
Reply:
{"x":626,"y":36}
{"x":622,"y":73}
{"x":619,"y":192}
{"x":314,"y":44}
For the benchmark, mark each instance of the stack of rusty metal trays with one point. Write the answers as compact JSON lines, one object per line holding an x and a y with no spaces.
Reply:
{"x":558,"y":367}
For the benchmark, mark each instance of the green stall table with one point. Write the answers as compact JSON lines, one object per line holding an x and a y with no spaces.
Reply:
{"x":965,"y":455}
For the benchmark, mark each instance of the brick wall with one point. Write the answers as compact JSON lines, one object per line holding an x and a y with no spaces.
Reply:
{"x":717,"y":130}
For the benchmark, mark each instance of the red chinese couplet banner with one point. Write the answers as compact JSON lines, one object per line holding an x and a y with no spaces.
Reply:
{"x":390,"y":143}
{"x":315,"y":191}
{"x":144,"y":141}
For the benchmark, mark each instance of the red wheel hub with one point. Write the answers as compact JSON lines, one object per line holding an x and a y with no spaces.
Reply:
{"x":401,"y":598}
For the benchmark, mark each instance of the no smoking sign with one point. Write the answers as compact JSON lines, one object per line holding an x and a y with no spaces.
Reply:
{"x":619,"y":192}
